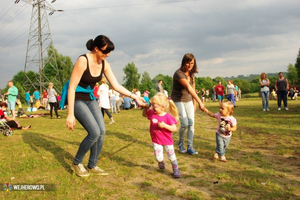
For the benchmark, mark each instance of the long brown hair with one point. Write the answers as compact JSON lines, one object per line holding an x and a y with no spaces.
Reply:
{"x":186,"y":59}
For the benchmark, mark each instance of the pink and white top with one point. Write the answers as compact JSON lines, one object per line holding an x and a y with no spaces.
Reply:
{"x":223,"y":122}
{"x":158,"y":135}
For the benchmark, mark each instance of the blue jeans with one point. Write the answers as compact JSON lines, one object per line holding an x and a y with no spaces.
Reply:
{"x":282,"y":95}
{"x":186,"y":116}
{"x":27,"y":103}
{"x":89,"y":115}
{"x":113,"y":105}
{"x":231,"y":98}
{"x":265,"y":99}
{"x":222,"y":144}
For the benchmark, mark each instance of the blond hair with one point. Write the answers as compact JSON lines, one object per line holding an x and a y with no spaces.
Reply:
{"x":162,"y":100}
{"x":50,"y":86}
{"x":263,"y":75}
{"x":103,"y":80}
{"x":229,"y":106}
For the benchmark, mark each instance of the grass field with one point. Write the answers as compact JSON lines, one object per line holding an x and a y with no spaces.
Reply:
{"x":263,"y":158}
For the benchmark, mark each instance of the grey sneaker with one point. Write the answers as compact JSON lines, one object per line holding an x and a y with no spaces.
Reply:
{"x":97,"y":171}
{"x":80,"y":170}
{"x":161,"y":165}
{"x":176,"y":173}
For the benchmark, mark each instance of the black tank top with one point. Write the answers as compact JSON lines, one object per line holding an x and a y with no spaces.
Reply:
{"x":88,"y":80}
{"x":281,"y":84}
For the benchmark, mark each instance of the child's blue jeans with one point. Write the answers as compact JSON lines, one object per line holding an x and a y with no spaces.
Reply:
{"x":222,"y":144}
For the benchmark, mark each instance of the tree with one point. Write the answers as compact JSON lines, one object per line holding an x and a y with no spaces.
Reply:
{"x":202,"y":82}
{"x":26,"y":79}
{"x":63,"y":72}
{"x":244,"y":85}
{"x":292,"y":74}
{"x":146,"y":83}
{"x":218,"y":78}
{"x":297,"y":66}
{"x":132,"y":77}
{"x":167,"y":83}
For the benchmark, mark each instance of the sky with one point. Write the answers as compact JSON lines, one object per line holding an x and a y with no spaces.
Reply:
{"x":227,"y":37}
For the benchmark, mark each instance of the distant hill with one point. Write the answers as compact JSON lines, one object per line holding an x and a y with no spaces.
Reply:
{"x":253,"y":76}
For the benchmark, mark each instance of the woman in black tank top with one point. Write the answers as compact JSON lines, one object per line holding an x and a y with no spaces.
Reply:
{"x":87,"y":71}
{"x":282,"y":86}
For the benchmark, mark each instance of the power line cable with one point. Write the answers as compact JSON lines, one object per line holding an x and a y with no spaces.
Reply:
{"x":13,"y":18}
{"x":7,"y":10}
{"x":130,"y":5}
{"x":14,"y":31}
{"x":14,"y":40}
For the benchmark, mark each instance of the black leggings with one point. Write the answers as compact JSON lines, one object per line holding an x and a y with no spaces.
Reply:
{"x":55,"y":108}
{"x":107,"y":112}
{"x":13,"y":124}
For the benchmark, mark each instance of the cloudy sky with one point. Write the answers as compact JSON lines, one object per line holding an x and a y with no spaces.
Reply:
{"x":227,"y":37}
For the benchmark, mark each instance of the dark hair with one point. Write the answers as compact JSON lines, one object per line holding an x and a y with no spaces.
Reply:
{"x":3,"y":104}
{"x":99,"y":42}
{"x":186,"y":59}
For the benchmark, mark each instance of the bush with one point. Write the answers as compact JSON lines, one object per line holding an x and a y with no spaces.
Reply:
{"x":251,"y":95}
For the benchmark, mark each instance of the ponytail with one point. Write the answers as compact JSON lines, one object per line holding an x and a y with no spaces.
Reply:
{"x":173,"y":109}
{"x":90,"y":45}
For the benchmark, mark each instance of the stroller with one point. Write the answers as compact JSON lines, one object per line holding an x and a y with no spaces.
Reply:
{"x":5,"y":129}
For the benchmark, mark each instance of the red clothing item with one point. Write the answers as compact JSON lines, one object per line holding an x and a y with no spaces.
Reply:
{"x":2,"y":115}
{"x":45,"y":95}
{"x":220,"y":90}
{"x":96,"y":91}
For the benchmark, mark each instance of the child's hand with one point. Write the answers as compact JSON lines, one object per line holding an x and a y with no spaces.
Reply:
{"x":228,"y":127}
{"x":161,"y":124}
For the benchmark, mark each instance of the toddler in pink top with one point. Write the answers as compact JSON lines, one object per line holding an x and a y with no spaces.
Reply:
{"x":162,"y":124}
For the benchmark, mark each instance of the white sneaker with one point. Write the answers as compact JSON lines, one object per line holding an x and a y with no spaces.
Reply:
{"x":216,"y":156}
{"x":286,"y":108}
{"x":264,"y":109}
{"x":279,"y":108}
{"x":268,"y":110}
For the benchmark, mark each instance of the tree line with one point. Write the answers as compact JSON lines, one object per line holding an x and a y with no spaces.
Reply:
{"x":133,"y":79}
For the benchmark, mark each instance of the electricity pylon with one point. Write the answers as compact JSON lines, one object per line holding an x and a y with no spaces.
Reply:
{"x":40,"y":56}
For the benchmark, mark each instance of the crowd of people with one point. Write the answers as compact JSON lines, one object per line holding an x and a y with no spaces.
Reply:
{"x":87,"y":101}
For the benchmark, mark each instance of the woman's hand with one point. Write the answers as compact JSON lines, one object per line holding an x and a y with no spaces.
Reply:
{"x":201,"y":107}
{"x":141,"y":101}
{"x":70,"y":122}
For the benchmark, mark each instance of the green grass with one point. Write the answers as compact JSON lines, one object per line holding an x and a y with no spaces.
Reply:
{"x":263,"y":158}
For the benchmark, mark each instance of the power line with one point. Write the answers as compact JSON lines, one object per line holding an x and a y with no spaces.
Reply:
{"x":13,"y":17}
{"x":14,"y":39}
{"x":14,"y":31}
{"x":7,"y":10}
{"x":131,"y":5}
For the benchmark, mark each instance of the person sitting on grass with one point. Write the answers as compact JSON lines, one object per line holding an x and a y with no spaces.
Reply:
{"x":38,"y":105}
{"x":227,"y":124}
{"x":162,"y":124}
{"x":9,"y":121}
